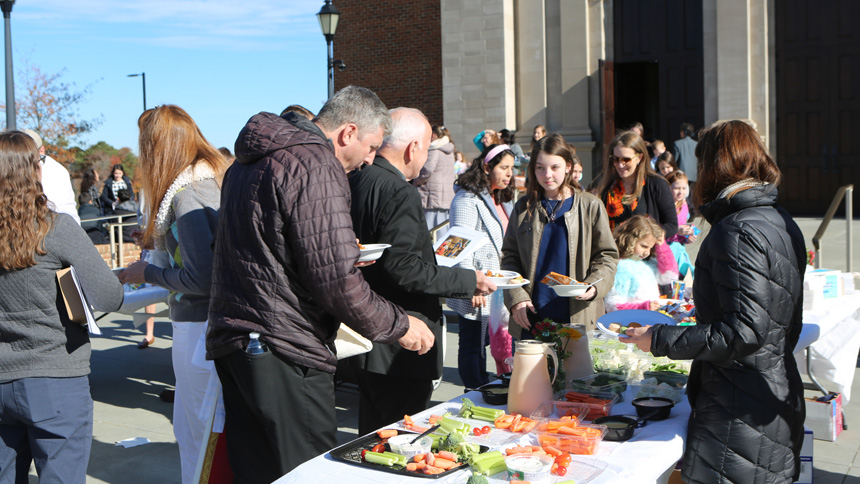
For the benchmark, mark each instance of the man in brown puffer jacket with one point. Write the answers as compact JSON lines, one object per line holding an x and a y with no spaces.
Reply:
{"x":284,"y":267}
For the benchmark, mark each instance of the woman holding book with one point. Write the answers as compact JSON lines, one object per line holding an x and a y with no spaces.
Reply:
{"x":46,"y":410}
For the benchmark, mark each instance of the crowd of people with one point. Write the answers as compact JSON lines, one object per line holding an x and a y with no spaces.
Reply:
{"x":261,"y":261}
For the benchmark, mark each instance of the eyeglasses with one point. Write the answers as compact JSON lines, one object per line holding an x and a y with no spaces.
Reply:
{"x":624,"y":159}
{"x":42,"y":160}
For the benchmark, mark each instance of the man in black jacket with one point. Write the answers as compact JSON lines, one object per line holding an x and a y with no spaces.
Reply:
{"x":387,"y":209}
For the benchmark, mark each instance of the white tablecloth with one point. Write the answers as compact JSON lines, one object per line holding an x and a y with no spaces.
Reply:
{"x":834,"y":351}
{"x":646,"y":458}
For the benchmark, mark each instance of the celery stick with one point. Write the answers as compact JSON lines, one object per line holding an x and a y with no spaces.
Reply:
{"x":399,"y":458}
{"x":377,"y":458}
{"x":499,"y":466}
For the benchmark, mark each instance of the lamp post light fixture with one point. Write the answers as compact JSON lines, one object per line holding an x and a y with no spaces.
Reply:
{"x":142,"y":76}
{"x":328,"y":17}
{"x":6,"y":6}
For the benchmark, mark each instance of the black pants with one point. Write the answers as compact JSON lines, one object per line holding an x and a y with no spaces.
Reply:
{"x":385,"y":399}
{"x":279,"y":415}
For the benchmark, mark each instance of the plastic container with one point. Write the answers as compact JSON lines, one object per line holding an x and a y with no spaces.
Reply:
{"x":653,"y":408}
{"x":401,"y":444}
{"x":556,"y":409}
{"x":595,"y":409}
{"x":585,"y":444}
{"x":678,"y":380}
{"x":593,"y":383}
{"x":532,"y":468}
{"x":649,"y":388}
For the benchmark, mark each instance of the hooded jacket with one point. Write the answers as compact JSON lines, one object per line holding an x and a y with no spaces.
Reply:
{"x":744,"y":386}
{"x":436,"y":181}
{"x":285,"y":250}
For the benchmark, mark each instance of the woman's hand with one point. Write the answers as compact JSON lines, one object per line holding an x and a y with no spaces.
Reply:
{"x":133,"y":274}
{"x":588,"y":295}
{"x":685,"y":229}
{"x":692,"y":238}
{"x":519,"y":313}
{"x":641,"y":337}
{"x":656,"y":304}
{"x":479,"y":301}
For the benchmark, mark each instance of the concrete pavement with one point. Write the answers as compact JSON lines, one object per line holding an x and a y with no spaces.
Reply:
{"x":126,"y":382}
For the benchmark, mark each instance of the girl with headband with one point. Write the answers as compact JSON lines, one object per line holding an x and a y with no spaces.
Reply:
{"x":557,"y":227}
{"x":484,"y":204}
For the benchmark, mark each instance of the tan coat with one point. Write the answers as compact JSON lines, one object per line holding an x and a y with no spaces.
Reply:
{"x":591,"y":248}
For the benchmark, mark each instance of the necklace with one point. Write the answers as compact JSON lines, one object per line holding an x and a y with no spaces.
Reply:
{"x":554,"y":211}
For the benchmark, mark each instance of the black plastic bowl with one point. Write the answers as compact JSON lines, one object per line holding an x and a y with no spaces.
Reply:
{"x":654,"y":408}
{"x":618,"y":428}
{"x":494,"y":393}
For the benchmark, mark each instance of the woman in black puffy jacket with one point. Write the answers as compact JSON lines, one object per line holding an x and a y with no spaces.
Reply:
{"x":744,"y":387}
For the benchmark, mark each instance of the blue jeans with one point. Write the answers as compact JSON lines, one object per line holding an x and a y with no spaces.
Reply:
{"x":471,"y":355}
{"x":52,"y":418}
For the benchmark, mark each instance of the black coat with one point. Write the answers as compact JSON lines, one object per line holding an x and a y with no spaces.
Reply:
{"x":744,"y":387}
{"x":387,"y":209}
{"x":656,"y":201}
{"x":108,"y":197}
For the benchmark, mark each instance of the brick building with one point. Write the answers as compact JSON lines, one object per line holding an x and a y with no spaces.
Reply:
{"x":393,"y":48}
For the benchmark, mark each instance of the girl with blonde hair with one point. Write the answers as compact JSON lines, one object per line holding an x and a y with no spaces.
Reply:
{"x":181,"y":175}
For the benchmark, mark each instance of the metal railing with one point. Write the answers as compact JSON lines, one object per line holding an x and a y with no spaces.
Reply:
{"x":115,"y":241}
{"x":846,"y":192}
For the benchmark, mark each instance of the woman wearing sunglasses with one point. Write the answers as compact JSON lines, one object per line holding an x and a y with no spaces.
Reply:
{"x":628,"y":186}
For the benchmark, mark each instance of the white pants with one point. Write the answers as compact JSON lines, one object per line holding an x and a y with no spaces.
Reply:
{"x":198,"y":393}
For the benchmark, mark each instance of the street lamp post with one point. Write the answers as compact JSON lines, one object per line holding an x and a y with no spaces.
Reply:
{"x":328,"y":17}
{"x":6,"y":6}
{"x":142,"y":76}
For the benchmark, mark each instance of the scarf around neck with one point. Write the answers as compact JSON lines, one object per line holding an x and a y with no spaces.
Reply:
{"x":165,"y":215}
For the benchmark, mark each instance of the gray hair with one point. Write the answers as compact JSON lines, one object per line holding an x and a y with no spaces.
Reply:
{"x":410,"y":125}
{"x":358,"y":105}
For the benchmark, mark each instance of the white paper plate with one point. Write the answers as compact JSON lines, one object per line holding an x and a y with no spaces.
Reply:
{"x":570,"y":290}
{"x":514,"y":285}
{"x":505,"y":277}
{"x":627,"y":316}
{"x":372,"y":252}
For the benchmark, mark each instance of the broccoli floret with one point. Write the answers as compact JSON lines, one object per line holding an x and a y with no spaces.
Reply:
{"x":467,"y":449}
{"x":477,"y":479}
{"x":466,"y":409}
{"x":451,"y":442}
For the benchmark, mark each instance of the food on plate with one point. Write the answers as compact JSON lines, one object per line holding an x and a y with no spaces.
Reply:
{"x":386,"y":433}
{"x":634,"y":324}
{"x":488,"y":463}
{"x":494,"y":274}
{"x":470,"y":410}
{"x":361,"y":247}
{"x":515,"y":423}
{"x":517,"y":280}
{"x":477,"y":479}
{"x":556,"y":279}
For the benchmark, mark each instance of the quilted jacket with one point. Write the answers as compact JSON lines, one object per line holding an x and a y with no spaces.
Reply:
{"x":744,"y":387}
{"x":285,"y":250}
{"x":436,"y":181}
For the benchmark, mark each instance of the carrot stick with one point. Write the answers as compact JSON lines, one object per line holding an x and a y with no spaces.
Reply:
{"x":386,"y":433}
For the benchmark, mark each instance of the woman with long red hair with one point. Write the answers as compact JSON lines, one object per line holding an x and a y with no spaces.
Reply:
{"x":181,"y":174}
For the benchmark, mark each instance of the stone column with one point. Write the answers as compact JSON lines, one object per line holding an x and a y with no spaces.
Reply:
{"x":531,"y":76}
{"x":737,"y":42}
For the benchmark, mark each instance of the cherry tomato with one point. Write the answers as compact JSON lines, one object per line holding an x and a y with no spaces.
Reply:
{"x":563,"y":460}
{"x":476,"y":431}
{"x":363,"y":452}
{"x":562,"y":470}
{"x":485,"y":429}
{"x":379,"y":448}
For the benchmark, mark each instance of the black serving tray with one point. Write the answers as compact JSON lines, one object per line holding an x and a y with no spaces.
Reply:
{"x":350,"y":453}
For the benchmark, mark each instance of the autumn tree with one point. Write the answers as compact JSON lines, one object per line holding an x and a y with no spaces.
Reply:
{"x":47,"y":104}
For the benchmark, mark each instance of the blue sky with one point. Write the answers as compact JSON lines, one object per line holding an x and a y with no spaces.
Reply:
{"x":220,"y":60}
